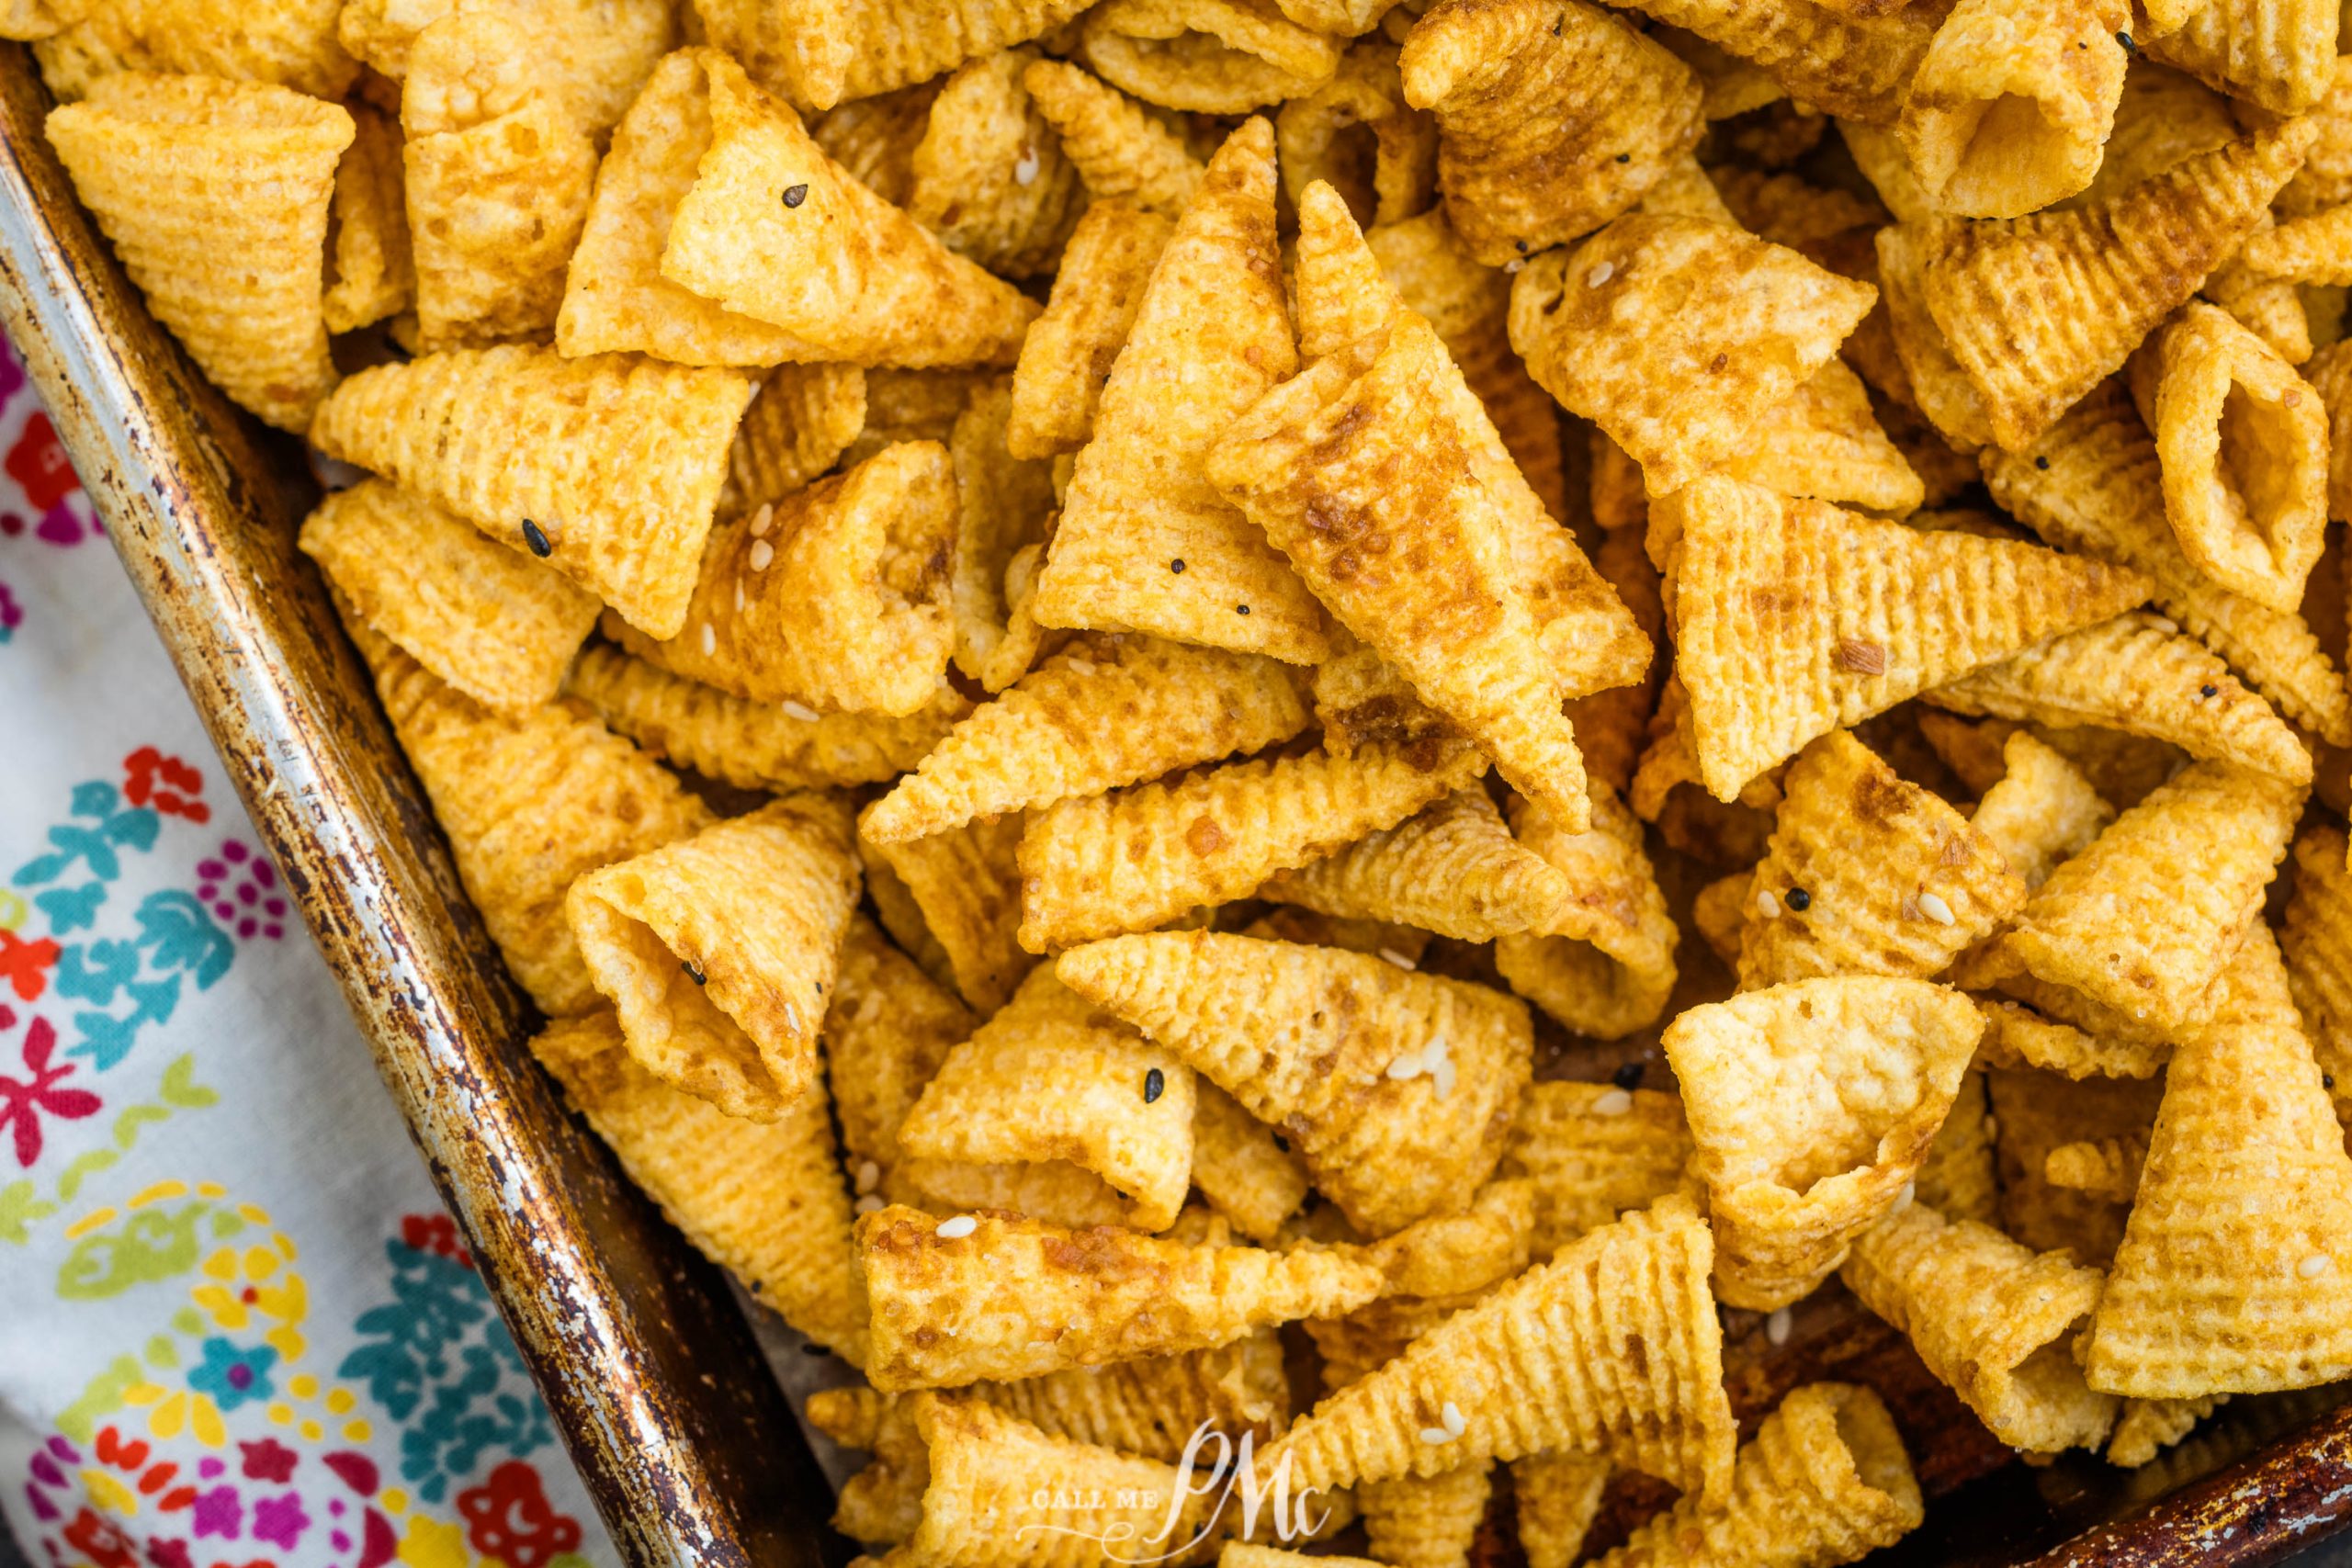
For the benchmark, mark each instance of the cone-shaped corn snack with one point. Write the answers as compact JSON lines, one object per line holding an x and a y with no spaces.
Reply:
{"x":1604,"y":965}
{"x":289,"y":43}
{"x":1244,"y":1169}
{"x":1811,"y":1106}
{"x":1612,"y":1350}
{"x":1319,"y":137}
{"x":1868,"y":874}
{"x":988,"y":176}
{"x":2307,"y":250}
{"x":2108,"y":1168}
{"x":1145,"y":544}
{"x":181,"y":171}
{"x":717,"y":950}
{"x":1993,"y":1319}
{"x":835,"y":52}
{"x":2094,"y":485}
{"x":1824,"y":1480}
{"x":1070,"y":349}
{"x":1395,"y":1086}
{"x":967,"y":1298}
{"x":597,"y":53}
{"x":1004,"y":502}
{"x":2041,"y":811}
{"x":494,"y":623}
{"x":882,"y":1502}
{"x":1098,"y":866}
{"x":1152,"y":1405}
{"x":2329,"y":372}
{"x":608,"y":468}
{"x":1793,"y":617}
{"x":2036,"y":1113}
{"x":1453,"y":869}
{"x":764,"y":1202}
{"x":2232,"y":1273}
{"x":965,"y":885}
{"x":2125,"y":264}
{"x":371,"y":272}
{"x":1107,"y":711}
{"x":1612,"y":726}
{"x":1121,"y":151}
{"x":529,"y":805}
{"x":1855,"y":67}
{"x":2012,"y":105}
{"x":2269,"y":308}
{"x":800,"y":422}
{"x":1209,"y":56}
{"x":1558,"y":1496}
{"x":1593,"y":1152}
{"x":2148,"y":1426}
{"x":887,"y":1028}
{"x":1931,"y":379}
{"x":1450,"y":1254}
{"x":1824,"y":443}
{"x":774,"y":229}
{"x":1361,"y":700}
{"x":2162,"y":119}
{"x":2017,"y":1035}
{"x":2317,"y":943}
{"x":1044,"y":1080}
{"x":2277,"y":54}
{"x":2243,"y":443}
{"x":1956,"y":1178}
{"x":1553,"y":118}
{"x":1675,"y":334}
{"x":2146,"y":919}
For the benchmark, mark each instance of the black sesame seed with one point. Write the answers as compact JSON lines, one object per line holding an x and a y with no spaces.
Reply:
{"x":537,"y":539}
{"x":794,"y":195}
{"x":1522,"y":244}
{"x":1627,"y":1078}
{"x":1241,"y":609}
{"x":1177,"y":564}
{"x":2041,"y":462}
{"x":2209,"y":690}
{"x":2327,"y":1081}
{"x":1556,"y":29}
{"x":1799,"y":900}
{"x":1624,"y":157}
{"x":2125,"y":39}
{"x":1282,"y":1142}
{"x":696,"y":975}
{"x":1154,"y":1085}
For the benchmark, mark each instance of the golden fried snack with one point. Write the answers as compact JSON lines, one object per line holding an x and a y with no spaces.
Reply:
{"x":963,"y":885}
{"x":801,"y":420}
{"x":1558,"y":1496}
{"x":2015,"y":1035}
{"x":1356,"y":134}
{"x":1395,"y":1086}
{"x":2230,"y":1278}
{"x":1106,"y":711}
{"x":1049,"y":1079}
{"x":1209,"y":56}
{"x":2038,"y":1112}
{"x":1793,"y":617}
{"x":1931,"y":379}
{"x":883,"y":1502}
{"x":1993,"y":1319}
{"x":2093,"y":484}
{"x":1070,"y":350}
{"x":2277,"y":54}
{"x":2013,"y":103}
{"x":1554,"y":117}
{"x":1811,"y":1106}
{"x":1453,"y":869}
{"x":1957,"y":1177}
{"x":2148,"y":1426}
{"x":180,"y":171}
{"x":607,"y":467}
{"x":1604,"y":966}
{"x":887,"y":1028}
{"x":1613,"y":1348}
{"x":287,"y":43}
{"x":988,"y":176}
{"x":1720,"y":909}
{"x":1121,"y":151}
{"x":494,"y":623}
{"x":1824,"y":443}
{"x":2269,"y":308}
{"x":999,"y":1297}
{"x":774,"y":229}
{"x":1612,"y":726}
{"x":1152,"y":1405}
{"x":822,"y":54}
{"x":1005,"y":503}
{"x":2041,"y":811}
{"x":1246,"y":1169}
{"x":594,"y":54}
{"x":2108,"y":1168}
{"x":2245,"y":447}
{"x":839,"y":598}
{"x":1868,"y":874}
{"x":2317,"y":943}
{"x":1593,"y":1152}
{"x":1675,"y":334}
{"x":2329,"y":373}
{"x":371,"y":273}
{"x":1098,"y":866}
{"x":1824,"y":1480}
{"x":1854,"y":66}
{"x":1145,"y":544}
{"x":717,"y":950}
{"x":764,"y":1200}
{"x":2125,"y":264}
{"x":1024,"y":641}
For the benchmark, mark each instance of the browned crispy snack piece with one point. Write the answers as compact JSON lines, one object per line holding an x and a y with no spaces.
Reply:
{"x":1603,"y":964}
{"x":1957,"y":1179}
{"x":958,"y":893}
{"x":1558,"y":1496}
{"x":1244,"y":1168}
{"x":1206,"y":56}
{"x":1852,"y":61}
{"x":287,"y":43}
{"x":1121,"y":151}
{"x":371,"y":268}
{"x":1453,"y":869}
{"x":1069,"y":353}
{"x":2279,"y":54}
{"x":1322,"y":136}
{"x":887,"y":1028}
{"x":1592,"y":1152}
{"x":2010,"y":110}
{"x":2317,"y":943}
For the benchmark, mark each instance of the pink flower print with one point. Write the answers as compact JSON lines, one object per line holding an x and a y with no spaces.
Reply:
{"x":217,"y":1511}
{"x":241,"y":889}
{"x":24,"y":1100}
{"x":12,"y":374}
{"x":12,"y":614}
{"x":279,"y":1521}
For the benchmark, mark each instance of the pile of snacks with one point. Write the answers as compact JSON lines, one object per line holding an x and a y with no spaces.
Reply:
{"x":1000,"y":611}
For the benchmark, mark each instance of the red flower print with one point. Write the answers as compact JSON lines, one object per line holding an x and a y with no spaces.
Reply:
{"x":100,"y":1541}
{"x":268,"y":1460}
{"x":509,"y":1517}
{"x":437,"y":1234}
{"x":22,"y":1100}
{"x":24,"y":965}
{"x":38,"y":463}
{"x":147,"y":769}
{"x":169,"y":1554}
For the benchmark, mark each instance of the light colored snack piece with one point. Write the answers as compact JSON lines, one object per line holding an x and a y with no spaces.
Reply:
{"x":2148,"y":1426}
{"x":1824,"y":1480}
{"x":882,"y":1502}
{"x":614,"y":462}
{"x":2329,"y":373}
{"x":371,"y":273}
{"x":1153,"y":1405}
{"x":2041,"y":811}
{"x":839,"y":266}
{"x":1811,"y":1106}
{"x":1793,"y":617}
{"x":1932,"y":380}
{"x":1069,"y":353}
{"x":496,"y":625}
{"x":1869,"y":873}
{"x":1395,"y":1087}
{"x":1554,"y":117}
{"x":1106,"y":711}
{"x":1047,"y":1078}
{"x":1957,"y":1178}
{"x":1546,"y":1364}
{"x":1453,"y":869}
{"x":2016,"y":1035}
{"x":2279,"y":54}
{"x":1144,"y":543}
{"x":594,"y":54}
{"x":2093,"y":485}
{"x":2269,"y":308}
{"x":1604,"y":965}
{"x":1207,"y":56}
{"x":1993,"y":1319}
{"x":964,"y":884}
{"x":887,"y":1028}
{"x":2163,"y":117}
{"x":717,"y":950}
{"x":1005,"y":503}
{"x":2011,"y":108}
{"x":1010,"y":1298}
{"x":1356,"y":134}
{"x":180,"y":171}
{"x":2243,"y":442}
{"x":989,"y":177}
{"x":1824,"y":443}
{"x":1099,"y":866}
{"x":1857,"y":67}
{"x":1592,"y":1153}
{"x":2230,"y":1278}
{"x":764,"y":1200}
{"x":2253,"y":987}
{"x":2326,"y":177}
{"x":2317,"y":943}
{"x":1675,"y":334}
{"x":801,"y":421}
{"x":821,"y":54}
{"x":837,"y":599}
{"x":1120,"y":150}
{"x":1024,"y":641}
{"x":1246,"y":1169}
{"x":1448,"y":1255}
{"x":2107,"y":1168}
{"x":2036,"y":1113}
{"x":1612,"y":726}
{"x":1557,"y":1497}
{"x":2125,"y":266}
{"x":285,"y":43}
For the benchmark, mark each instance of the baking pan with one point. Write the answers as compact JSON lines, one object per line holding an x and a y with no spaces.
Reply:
{"x":654,"y":1375}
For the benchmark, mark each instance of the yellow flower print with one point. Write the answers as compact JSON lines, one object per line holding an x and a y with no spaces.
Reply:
{"x":431,"y":1544}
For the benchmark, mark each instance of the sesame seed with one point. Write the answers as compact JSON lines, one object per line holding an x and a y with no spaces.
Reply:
{"x":869,"y":1176}
{"x":739,"y":596}
{"x":1241,"y":609}
{"x":1451,"y":1416}
{"x":791,"y":1019}
{"x":762,"y":554}
{"x":1628,"y":1076}
{"x":868,"y":1204}
{"x":540,"y":545}
{"x":1155,"y":1084}
{"x":1398,"y":958}
{"x":800,"y":711}
{"x":1439,"y":1065}
{"x":762,"y":518}
{"x":709,"y":640}
{"x":1081,"y":666}
{"x":1405,"y":1066}
{"x":1612,"y":1102}
{"x":2041,"y":462}
{"x":2209,"y":690}
{"x":2125,"y":39}
{"x":1177,"y":564}
{"x":1024,"y":173}
{"x":1513,"y":267}
{"x":2313,"y":1267}
{"x":1935,"y":909}
{"x":1436,"y":1436}
{"x":1799,"y":900}
{"x":1624,"y":157}
{"x":957,"y":1228}
{"x":1776,"y":1326}
{"x":2166,"y":624}
{"x":1600,"y":275}
{"x":794,"y":195}
{"x":696,"y":975}
{"x":1767,"y":904}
